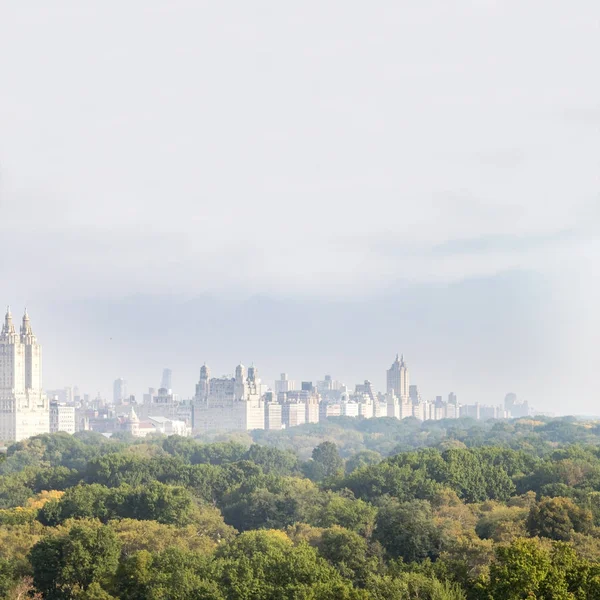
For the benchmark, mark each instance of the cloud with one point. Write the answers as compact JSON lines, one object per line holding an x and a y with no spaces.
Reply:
{"x":320,"y":153}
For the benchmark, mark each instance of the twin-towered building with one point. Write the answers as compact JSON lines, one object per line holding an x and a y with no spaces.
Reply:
{"x":24,"y":409}
{"x":229,"y":403}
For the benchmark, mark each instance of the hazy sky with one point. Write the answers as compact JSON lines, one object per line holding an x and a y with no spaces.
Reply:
{"x":311,"y":186}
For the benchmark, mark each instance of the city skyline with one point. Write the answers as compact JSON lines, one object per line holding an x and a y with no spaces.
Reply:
{"x":396,"y":379}
{"x":397,"y":382}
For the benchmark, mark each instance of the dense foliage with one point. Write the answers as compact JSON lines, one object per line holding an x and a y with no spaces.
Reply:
{"x":379,"y":509}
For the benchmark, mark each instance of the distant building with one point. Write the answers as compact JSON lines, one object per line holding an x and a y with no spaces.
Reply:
{"x":228,"y":403}
{"x":119,"y":391}
{"x":273,"y":415}
{"x":166,"y":381}
{"x":470,"y":410}
{"x":380,"y":407}
{"x":414,"y":394}
{"x":329,"y":388}
{"x":284,"y":384}
{"x":453,"y":407}
{"x":293,"y":414}
{"x":62,"y":418}
{"x":165,"y":404}
{"x":161,"y":425}
{"x":514,"y":407}
{"x":327,"y":409}
{"x":147,"y":398}
{"x":24,"y":408}
{"x":365,"y":389}
{"x":350,"y":409}
{"x":398,"y":379}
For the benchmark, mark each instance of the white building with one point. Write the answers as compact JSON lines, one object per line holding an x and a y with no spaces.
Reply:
{"x":161,"y":425}
{"x":228,"y":404}
{"x":293,"y":414}
{"x":119,"y":391}
{"x":284,"y":384}
{"x":169,"y":426}
{"x":24,"y":410}
{"x":350,"y":409}
{"x":166,"y":381}
{"x":398,"y":380}
{"x":62,"y":418}
{"x":273,"y":416}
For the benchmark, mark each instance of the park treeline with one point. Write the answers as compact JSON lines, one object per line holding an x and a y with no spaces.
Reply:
{"x":378,"y":511}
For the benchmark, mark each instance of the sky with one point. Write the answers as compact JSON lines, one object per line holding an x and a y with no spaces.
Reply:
{"x":311,"y":187}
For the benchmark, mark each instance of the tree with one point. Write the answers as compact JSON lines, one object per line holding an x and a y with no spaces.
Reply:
{"x":558,"y":519}
{"x":348,"y":552}
{"x":79,"y":502}
{"x":326,"y":462}
{"x":63,"y":564}
{"x":157,"y":502}
{"x":344,"y":509}
{"x":273,"y":460}
{"x":274,"y":503}
{"x":266,"y":565}
{"x":173,"y":574}
{"x":362,"y":459}
{"x":407,"y":530}
{"x":413,"y":586}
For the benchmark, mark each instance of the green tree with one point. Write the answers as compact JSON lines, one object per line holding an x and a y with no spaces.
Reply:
{"x":273,"y":460}
{"x":413,"y":586}
{"x":558,"y":519}
{"x":348,"y":552}
{"x":266,"y":565}
{"x":362,"y":459}
{"x":326,"y":462}
{"x":65,"y":564}
{"x":344,"y":509}
{"x":407,"y":530}
{"x":172,"y":574}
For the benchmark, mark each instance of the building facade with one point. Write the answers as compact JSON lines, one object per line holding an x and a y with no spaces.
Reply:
{"x":398,"y":380}
{"x":24,"y":408}
{"x":228,"y":403}
{"x":62,"y":418}
{"x":119,"y":391}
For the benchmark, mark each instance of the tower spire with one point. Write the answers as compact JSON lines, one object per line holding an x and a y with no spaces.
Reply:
{"x":26,"y":326}
{"x":8,"y":328}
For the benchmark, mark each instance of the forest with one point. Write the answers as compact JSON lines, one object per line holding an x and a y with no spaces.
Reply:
{"x":354,"y":509}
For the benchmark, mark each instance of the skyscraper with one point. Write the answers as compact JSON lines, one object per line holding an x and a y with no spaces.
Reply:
{"x":398,"y":379}
{"x":119,"y":391}
{"x":24,"y":409}
{"x":284,"y":384}
{"x":166,"y":381}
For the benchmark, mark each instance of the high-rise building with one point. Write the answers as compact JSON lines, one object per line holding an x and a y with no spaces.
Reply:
{"x":284,"y":384}
{"x":229,"y":403}
{"x":514,"y":407}
{"x":166,"y":381}
{"x":365,"y":389}
{"x":398,"y":379}
{"x":24,"y":409}
{"x":203,"y":386}
{"x":119,"y":391}
{"x":62,"y":418}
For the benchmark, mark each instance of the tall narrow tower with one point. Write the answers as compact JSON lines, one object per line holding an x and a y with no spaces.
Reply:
{"x":33,"y":356}
{"x":203,"y":386}
{"x":12,"y":360}
{"x":398,"y":380}
{"x":240,"y":382}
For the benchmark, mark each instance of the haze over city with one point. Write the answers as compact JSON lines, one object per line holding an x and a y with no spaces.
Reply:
{"x":310,"y":188}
